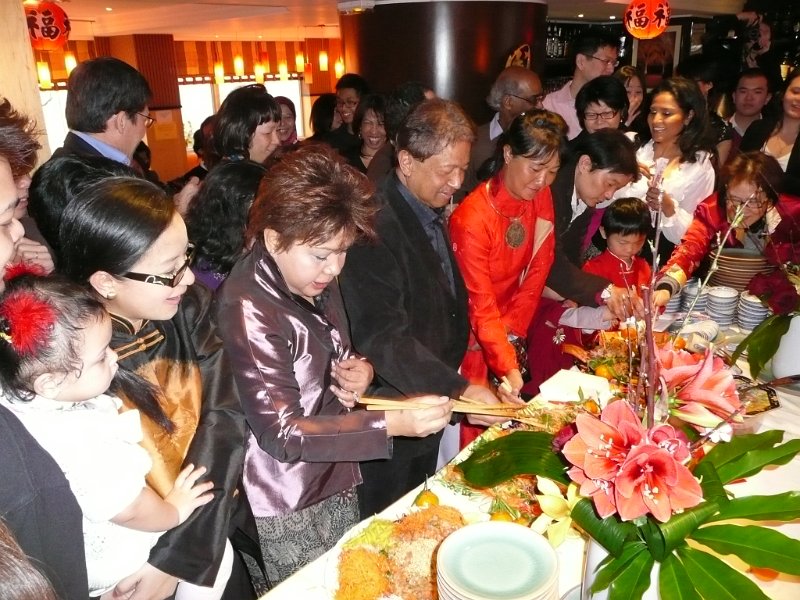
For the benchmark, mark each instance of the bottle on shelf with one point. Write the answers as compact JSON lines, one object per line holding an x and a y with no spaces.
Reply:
{"x":786,"y":66}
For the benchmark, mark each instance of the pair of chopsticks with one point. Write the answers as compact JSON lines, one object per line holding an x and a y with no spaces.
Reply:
{"x":462,"y":405}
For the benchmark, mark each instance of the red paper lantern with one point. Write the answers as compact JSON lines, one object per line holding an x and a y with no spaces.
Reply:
{"x":48,"y":26}
{"x":646,"y":19}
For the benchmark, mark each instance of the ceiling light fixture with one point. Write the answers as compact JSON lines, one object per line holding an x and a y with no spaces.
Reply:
{"x":238,"y":65}
{"x":70,"y":62}
{"x":43,"y":71}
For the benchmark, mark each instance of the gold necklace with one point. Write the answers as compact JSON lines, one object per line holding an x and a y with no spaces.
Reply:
{"x":515,"y":232}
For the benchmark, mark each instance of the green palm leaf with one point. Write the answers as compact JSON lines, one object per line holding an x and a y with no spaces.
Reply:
{"x":611,"y":533}
{"x":519,"y":453}
{"x":674,"y":582}
{"x":779,"y":507}
{"x":763,"y":342}
{"x":722,"y":454}
{"x":755,"y":460}
{"x":757,"y":546}
{"x":716,"y":580}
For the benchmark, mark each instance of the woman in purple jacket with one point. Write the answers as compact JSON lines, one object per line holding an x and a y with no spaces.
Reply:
{"x":286,"y":332}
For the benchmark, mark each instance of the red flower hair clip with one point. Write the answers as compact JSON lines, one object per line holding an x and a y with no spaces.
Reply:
{"x":26,"y":321}
{"x":23,"y":268}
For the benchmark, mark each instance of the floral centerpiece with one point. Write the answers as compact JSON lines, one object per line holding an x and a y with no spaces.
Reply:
{"x":648,"y":495}
{"x":779,"y":290}
{"x":645,"y":501}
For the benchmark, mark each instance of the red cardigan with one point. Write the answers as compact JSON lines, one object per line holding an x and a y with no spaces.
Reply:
{"x":782,"y":243}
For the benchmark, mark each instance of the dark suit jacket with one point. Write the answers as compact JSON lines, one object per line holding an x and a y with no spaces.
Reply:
{"x":75,"y":146}
{"x":566,"y":277}
{"x":40,"y":510}
{"x":754,"y":139}
{"x":403,"y":317}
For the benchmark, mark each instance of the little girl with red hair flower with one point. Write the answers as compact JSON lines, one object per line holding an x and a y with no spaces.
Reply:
{"x":56,"y":368}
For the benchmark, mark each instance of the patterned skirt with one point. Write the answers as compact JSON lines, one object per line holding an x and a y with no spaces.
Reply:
{"x":289,"y":542}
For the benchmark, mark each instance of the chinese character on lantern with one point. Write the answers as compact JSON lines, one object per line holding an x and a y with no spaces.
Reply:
{"x":48,"y":26}
{"x":645,"y":19}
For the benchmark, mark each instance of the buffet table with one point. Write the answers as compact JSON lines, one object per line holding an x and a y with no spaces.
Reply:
{"x":318,"y":580}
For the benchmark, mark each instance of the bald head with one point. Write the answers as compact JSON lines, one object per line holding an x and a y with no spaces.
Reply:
{"x":515,"y":90}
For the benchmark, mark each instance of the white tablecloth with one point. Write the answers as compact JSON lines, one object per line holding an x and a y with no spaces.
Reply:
{"x":318,"y":579}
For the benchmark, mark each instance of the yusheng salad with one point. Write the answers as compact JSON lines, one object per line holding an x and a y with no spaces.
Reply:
{"x":396,"y":558}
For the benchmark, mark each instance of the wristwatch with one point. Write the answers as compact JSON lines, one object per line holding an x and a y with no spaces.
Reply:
{"x":606,"y":293}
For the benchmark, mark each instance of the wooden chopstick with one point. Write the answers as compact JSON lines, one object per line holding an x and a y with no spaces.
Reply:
{"x":469,"y":400}
{"x":460,"y":406}
{"x":502,"y":406}
{"x":389,"y":404}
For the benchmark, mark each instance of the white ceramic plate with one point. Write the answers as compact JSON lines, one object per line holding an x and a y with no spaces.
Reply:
{"x":498,"y":560}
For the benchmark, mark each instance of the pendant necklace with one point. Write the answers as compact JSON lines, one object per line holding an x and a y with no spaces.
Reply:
{"x":515,"y":232}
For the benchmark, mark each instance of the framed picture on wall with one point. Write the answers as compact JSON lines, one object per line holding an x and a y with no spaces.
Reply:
{"x":658,"y":57}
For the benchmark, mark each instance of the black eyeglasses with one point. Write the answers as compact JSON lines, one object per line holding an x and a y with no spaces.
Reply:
{"x":609,"y":62}
{"x":754,"y":201}
{"x":606,"y":115}
{"x":148,"y":120}
{"x":171,"y":281}
{"x":535,"y":100}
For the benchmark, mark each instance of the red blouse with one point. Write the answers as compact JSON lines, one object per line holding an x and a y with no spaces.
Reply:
{"x":504,"y":284}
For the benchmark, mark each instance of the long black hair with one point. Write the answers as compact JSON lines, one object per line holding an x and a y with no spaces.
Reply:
{"x":109,"y":227}
{"x":217,"y":218}
{"x":58,"y":181}
{"x":696,"y":135}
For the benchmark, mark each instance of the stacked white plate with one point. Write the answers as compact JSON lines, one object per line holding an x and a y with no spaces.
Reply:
{"x":498,"y":561}
{"x":721,"y":306}
{"x":751,"y":311}
{"x":736,"y":267}
{"x":674,"y":304}
{"x":688,"y":294}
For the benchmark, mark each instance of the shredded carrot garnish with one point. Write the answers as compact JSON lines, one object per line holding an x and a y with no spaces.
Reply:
{"x":435,"y":522}
{"x":363,"y":575}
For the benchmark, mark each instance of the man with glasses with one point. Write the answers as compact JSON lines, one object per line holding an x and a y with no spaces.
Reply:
{"x":596,"y":52}
{"x":108,"y":114}
{"x":515,"y":90}
{"x":107,"y":110}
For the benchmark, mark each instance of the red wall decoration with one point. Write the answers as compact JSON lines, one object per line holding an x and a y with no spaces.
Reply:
{"x":646,"y":19}
{"x":48,"y":25}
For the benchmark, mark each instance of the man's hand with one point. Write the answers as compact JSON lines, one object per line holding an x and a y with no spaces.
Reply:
{"x":624,"y":303}
{"x":34,"y":253}
{"x":482,"y":395}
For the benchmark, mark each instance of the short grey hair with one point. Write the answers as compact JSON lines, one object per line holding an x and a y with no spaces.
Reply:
{"x":506,"y":84}
{"x":432,"y":126}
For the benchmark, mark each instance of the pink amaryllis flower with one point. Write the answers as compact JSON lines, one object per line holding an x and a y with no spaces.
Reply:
{"x":677,"y":366}
{"x":709,"y":396}
{"x":629,"y":470}
{"x":652,"y":481}
{"x":599,"y":449}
